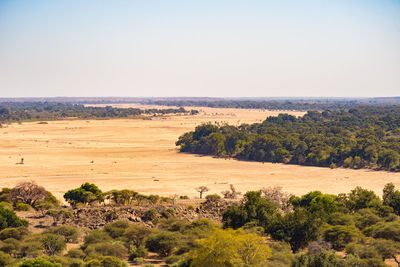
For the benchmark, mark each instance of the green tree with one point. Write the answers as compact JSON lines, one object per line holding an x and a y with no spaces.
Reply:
{"x":230,"y":248}
{"x":298,"y":228}
{"x":341,"y":235}
{"x":255,"y":208}
{"x":8,"y":218}
{"x":391,"y":197}
{"x":162,"y":242}
{"x":53,"y":244}
{"x":86,"y":193}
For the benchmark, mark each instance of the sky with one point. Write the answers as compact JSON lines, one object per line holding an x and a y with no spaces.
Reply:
{"x":216,"y":48}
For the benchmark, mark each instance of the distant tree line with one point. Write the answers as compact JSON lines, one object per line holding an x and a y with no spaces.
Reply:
{"x":295,"y":104}
{"x":34,"y":111}
{"x":364,"y":137}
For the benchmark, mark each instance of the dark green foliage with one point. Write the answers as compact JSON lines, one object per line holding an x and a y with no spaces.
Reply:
{"x":391,"y":197}
{"x":256,"y":208}
{"x":86,"y":193}
{"x":8,"y":218}
{"x":358,"y":138}
{"x":298,"y":228}
{"x":360,"y":198}
{"x":321,"y":205}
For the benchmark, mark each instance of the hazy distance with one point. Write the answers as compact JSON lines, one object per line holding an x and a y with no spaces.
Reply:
{"x":200,"y":48}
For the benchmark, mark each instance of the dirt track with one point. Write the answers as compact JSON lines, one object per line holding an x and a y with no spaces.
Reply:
{"x":141,"y":155}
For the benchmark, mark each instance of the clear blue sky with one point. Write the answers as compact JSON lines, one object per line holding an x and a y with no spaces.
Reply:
{"x":200,"y":48}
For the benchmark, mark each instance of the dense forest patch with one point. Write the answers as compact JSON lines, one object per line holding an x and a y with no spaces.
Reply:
{"x":363,"y":137}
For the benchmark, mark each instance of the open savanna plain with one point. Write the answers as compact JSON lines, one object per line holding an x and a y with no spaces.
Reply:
{"x":140,"y":154}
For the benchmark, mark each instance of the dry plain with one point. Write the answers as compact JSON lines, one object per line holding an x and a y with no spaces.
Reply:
{"x":141,"y":155}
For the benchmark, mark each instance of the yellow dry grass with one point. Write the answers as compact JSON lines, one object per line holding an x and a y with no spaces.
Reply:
{"x":141,"y":155}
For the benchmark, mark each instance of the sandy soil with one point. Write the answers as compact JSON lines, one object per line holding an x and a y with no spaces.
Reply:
{"x":141,"y":155}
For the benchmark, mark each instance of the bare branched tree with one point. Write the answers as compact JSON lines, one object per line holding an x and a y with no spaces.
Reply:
{"x":202,"y":189}
{"x":231,"y":193}
{"x":280,"y":198}
{"x":28,"y":193}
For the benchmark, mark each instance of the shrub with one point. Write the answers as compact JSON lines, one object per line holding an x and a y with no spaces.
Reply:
{"x":110,"y":261}
{"x":5,"y":259}
{"x":106,"y":249}
{"x":386,"y":230}
{"x":213,"y":198}
{"x":138,"y":261}
{"x":93,"y":263}
{"x":69,"y":233}
{"x":162,"y":243}
{"x":117,"y":229}
{"x":325,"y":259}
{"x":170,"y":212}
{"x":341,"y":235}
{"x":38,"y":262}
{"x":76,"y":253}
{"x":150,"y":214}
{"x":136,"y":234}
{"x":6,"y":205}
{"x":8,"y":218}
{"x":16,"y":233}
{"x":95,"y":236}
{"x":22,"y":207}
{"x":11,"y":246}
{"x":365,"y":218}
{"x":137,"y":252}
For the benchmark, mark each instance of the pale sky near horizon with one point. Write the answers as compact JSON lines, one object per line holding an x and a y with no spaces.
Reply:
{"x":248,"y":48}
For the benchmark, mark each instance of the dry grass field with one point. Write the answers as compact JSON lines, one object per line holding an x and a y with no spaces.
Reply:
{"x":141,"y":155}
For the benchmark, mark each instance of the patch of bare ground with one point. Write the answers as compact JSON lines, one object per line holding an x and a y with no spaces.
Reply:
{"x":141,"y":155}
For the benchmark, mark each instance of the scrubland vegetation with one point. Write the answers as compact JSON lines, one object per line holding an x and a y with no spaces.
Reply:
{"x":265,"y":228}
{"x":363,"y":137}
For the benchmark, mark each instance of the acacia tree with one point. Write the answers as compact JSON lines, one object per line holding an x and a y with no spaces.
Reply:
{"x":202,"y":189}
{"x":231,"y":248}
{"x":53,"y":244}
{"x":28,"y":193}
